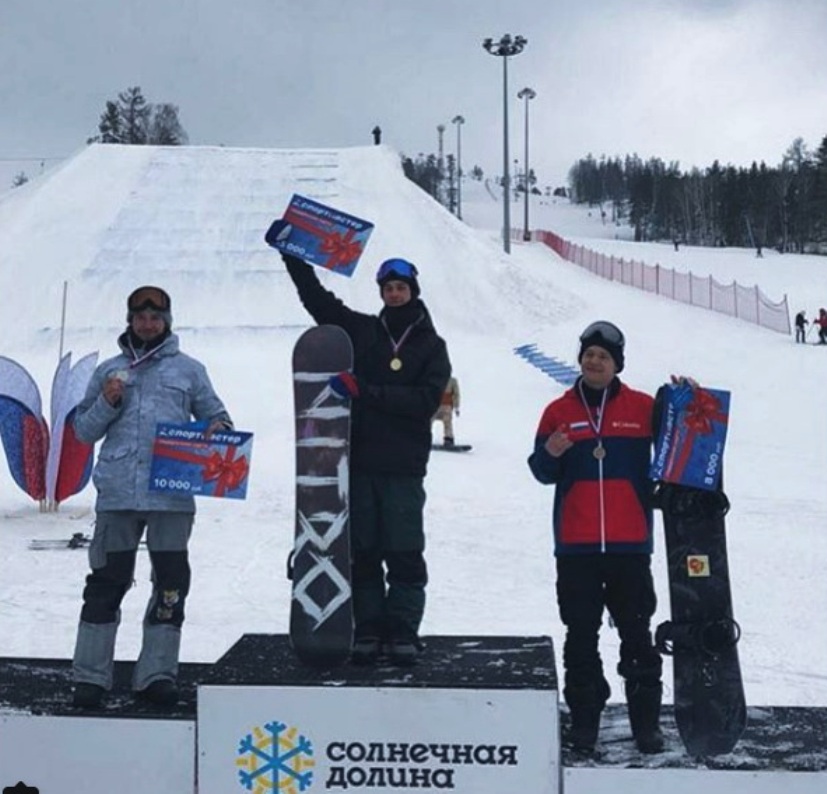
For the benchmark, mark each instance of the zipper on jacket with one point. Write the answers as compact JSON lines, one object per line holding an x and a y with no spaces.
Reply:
{"x":602,"y":506}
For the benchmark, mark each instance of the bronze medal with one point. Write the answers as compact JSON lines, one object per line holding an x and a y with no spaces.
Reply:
{"x":599,"y":451}
{"x":396,"y":364}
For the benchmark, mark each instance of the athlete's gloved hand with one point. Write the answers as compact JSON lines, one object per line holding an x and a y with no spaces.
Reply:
{"x":344,"y":385}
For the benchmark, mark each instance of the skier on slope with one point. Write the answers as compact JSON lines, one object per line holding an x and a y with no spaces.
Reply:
{"x":400,"y":368}
{"x":821,"y":322}
{"x":800,"y":324}
{"x":150,"y":381}
{"x":594,"y":444}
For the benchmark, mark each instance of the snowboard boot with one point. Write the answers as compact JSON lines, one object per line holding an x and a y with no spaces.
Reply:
{"x":404,"y":652}
{"x":585,"y":706}
{"x":365,"y":650}
{"x":447,"y":441}
{"x":644,"y":715}
{"x":161,"y":692}
{"x":87,"y":696}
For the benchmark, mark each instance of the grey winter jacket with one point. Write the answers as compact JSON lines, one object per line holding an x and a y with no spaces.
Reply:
{"x":169,"y":386}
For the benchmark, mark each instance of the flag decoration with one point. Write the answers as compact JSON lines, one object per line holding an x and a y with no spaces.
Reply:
{"x":48,"y":466}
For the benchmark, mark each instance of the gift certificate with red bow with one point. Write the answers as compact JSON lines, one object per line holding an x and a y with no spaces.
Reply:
{"x":690,"y":446}
{"x":184,"y":462}
{"x":321,"y":235}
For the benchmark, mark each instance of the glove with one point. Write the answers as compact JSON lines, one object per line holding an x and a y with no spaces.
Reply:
{"x":456,"y":411}
{"x":278,"y":232}
{"x":344,"y":385}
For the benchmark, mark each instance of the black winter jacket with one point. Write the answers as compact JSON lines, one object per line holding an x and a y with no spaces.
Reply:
{"x":391,"y":421}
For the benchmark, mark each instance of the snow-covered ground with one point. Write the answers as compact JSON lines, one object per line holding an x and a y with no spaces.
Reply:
{"x":193,"y":220}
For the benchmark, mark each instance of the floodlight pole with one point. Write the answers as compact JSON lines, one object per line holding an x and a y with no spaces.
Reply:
{"x":459,"y":121}
{"x":503,"y":48}
{"x":527,"y":94}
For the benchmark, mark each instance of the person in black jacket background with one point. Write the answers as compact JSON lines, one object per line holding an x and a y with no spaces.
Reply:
{"x":401,"y":366}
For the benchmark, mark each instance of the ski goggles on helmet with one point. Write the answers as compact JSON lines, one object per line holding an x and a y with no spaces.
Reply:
{"x":148,"y":298}
{"x":606,"y":331}
{"x":400,"y":268}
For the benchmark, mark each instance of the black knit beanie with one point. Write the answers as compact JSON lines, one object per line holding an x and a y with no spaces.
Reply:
{"x":606,"y":335}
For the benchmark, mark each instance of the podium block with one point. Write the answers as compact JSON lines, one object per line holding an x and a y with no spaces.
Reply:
{"x":477,"y":715}
{"x":126,"y":746}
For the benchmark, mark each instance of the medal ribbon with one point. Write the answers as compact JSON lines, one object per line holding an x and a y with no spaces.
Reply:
{"x":595,"y":425}
{"x":136,"y":359}
{"x":397,"y":345}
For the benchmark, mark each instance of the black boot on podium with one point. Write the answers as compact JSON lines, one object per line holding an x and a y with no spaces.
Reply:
{"x":644,"y":715}
{"x":585,"y":706}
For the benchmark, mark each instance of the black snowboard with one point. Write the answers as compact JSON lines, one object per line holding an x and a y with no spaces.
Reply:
{"x":702,"y":636}
{"x":321,"y":613}
{"x":452,"y":448}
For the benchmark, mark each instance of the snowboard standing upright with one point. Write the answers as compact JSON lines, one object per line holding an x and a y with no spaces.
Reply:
{"x":702,"y":636}
{"x":321,"y":615}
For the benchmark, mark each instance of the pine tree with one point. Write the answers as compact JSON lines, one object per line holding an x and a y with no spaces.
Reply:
{"x":111,"y":125}
{"x":135,"y":114}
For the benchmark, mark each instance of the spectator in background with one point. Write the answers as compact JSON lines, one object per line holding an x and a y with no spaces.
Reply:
{"x":821,"y":322}
{"x":800,"y":324}
{"x":448,"y":408}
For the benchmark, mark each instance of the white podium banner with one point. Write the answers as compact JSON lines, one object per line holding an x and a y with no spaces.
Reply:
{"x":315,"y":739}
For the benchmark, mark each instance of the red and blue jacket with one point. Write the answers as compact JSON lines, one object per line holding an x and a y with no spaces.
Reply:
{"x":600,"y":505}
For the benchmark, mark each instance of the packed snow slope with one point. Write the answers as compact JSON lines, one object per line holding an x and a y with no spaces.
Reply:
{"x":193,"y":221}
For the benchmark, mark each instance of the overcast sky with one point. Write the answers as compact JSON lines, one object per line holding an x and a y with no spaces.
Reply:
{"x":685,"y":80}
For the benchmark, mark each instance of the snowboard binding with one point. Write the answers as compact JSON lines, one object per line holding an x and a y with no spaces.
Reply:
{"x":682,"y":501}
{"x":711,"y":638}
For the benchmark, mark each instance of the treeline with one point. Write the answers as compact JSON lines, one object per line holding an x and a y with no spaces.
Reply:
{"x":437,"y":176}
{"x":131,"y":119}
{"x":783,"y":207}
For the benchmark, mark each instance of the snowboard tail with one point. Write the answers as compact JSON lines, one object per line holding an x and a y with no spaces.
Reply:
{"x":451,"y":447}
{"x":702,"y":636}
{"x":321,"y":613}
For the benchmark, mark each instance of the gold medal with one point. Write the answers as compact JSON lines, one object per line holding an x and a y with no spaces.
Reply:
{"x":396,"y":364}
{"x":599,"y":451}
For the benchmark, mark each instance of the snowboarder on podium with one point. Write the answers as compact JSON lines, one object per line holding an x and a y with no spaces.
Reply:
{"x":594,"y":445}
{"x":400,"y":368}
{"x":150,"y":381}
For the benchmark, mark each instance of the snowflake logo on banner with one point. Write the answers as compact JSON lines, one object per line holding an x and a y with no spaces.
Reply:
{"x":275,"y":758}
